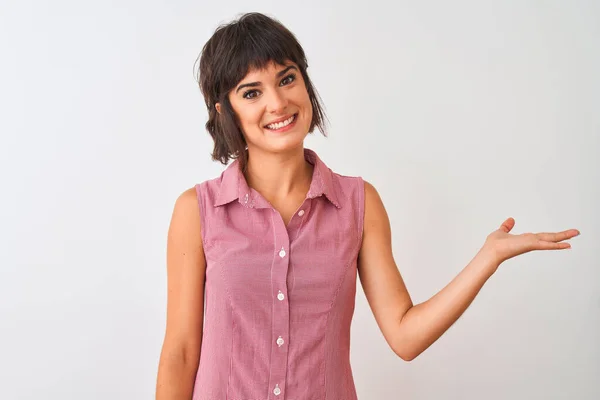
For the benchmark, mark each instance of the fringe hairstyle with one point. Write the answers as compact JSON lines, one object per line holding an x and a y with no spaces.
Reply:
{"x":250,"y":42}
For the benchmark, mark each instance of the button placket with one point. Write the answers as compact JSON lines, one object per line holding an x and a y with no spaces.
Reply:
{"x":281,"y":315}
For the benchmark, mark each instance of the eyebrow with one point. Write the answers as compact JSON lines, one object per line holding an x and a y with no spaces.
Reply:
{"x":253,"y":84}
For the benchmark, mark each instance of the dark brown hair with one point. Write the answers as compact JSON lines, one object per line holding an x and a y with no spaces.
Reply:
{"x":250,"y":42}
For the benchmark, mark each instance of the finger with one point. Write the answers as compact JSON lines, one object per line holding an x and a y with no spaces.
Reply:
{"x":508,"y":225}
{"x":557,"y":236}
{"x":552,"y":246}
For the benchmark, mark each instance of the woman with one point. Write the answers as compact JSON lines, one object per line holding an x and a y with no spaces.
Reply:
{"x":262,"y":261}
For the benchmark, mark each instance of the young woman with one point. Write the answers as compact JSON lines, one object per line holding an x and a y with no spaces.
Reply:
{"x":262,"y":260}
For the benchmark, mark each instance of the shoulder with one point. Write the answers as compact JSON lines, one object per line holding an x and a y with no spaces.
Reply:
{"x":347,"y":185}
{"x":364,"y":188}
{"x":187,"y":198}
{"x":375,"y":213}
{"x":371,"y":193}
{"x":194,"y":203}
{"x":186,"y":210}
{"x":191,"y":202}
{"x":208,"y":190}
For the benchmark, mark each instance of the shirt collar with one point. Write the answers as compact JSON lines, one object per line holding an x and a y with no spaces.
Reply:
{"x":234,"y":186}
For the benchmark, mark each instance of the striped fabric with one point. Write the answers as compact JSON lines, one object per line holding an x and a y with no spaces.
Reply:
{"x":279,"y":300}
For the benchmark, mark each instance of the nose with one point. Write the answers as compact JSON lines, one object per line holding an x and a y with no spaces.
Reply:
{"x":277,"y":102}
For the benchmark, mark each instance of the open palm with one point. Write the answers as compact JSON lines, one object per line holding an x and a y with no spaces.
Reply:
{"x":506,"y":245}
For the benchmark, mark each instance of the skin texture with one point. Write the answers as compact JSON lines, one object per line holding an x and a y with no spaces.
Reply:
{"x":185,"y":301}
{"x":410,"y":329}
{"x":277,"y":169}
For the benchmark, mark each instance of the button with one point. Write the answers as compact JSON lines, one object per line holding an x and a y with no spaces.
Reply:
{"x":246,"y":198}
{"x":277,"y":391}
{"x":301,"y":212}
{"x":282,"y":253}
{"x":280,"y":296}
{"x":280,"y":341}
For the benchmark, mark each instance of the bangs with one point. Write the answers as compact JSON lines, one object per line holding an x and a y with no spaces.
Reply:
{"x":254,"y":49}
{"x":250,"y":43}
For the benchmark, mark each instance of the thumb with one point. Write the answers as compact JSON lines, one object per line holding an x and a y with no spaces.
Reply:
{"x":507,"y":225}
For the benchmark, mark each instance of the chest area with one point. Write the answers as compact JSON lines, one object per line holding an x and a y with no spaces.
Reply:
{"x":304,"y":252}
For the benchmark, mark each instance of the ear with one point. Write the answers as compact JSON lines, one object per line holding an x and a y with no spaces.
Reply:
{"x":218,"y":107}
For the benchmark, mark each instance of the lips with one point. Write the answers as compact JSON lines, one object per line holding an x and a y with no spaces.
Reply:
{"x":295,"y":115}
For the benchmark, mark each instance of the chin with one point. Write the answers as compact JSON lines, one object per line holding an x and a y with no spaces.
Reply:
{"x":285,"y":144}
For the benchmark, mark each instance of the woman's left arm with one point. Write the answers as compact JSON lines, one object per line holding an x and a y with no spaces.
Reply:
{"x":410,"y":329}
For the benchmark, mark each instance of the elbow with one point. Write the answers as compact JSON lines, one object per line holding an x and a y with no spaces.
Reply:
{"x":406,"y":354}
{"x":403,"y":343}
{"x":405,"y":348}
{"x":180,"y":354}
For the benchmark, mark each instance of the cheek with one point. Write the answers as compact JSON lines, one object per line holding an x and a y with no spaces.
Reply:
{"x":303,"y":100}
{"x":249,"y":118}
{"x":309,"y":109}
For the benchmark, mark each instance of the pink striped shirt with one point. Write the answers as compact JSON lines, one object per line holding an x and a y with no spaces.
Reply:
{"x":279,"y":300}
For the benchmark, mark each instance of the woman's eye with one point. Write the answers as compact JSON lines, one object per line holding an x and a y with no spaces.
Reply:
{"x":248,"y":94}
{"x":251,"y":94}
{"x":288,"y":80}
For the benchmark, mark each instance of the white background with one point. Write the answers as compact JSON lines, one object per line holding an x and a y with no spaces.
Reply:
{"x":460,"y":113}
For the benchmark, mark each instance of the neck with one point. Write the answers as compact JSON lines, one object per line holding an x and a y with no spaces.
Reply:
{"x":278,"y":175}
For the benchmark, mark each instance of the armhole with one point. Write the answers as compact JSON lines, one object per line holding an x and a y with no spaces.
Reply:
{"x":361,"y":210}
{"x":202,"y":214}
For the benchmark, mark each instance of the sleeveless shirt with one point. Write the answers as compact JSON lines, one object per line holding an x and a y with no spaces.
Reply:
{"x":279,"y":300}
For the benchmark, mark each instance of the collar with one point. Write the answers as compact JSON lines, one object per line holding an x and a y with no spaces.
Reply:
{"x":234,"y":186}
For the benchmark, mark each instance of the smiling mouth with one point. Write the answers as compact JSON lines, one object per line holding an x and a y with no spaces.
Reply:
{"x":282,"y":124}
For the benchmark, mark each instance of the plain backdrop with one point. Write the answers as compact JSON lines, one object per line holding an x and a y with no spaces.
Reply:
{"x":460,"y":113}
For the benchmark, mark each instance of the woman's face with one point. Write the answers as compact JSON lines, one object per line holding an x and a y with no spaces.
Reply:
{"x":273,"y":107}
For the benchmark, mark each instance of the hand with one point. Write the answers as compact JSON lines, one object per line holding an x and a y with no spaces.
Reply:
{"x":504,"y":245}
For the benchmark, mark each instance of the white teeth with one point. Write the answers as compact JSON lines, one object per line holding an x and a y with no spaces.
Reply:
{"x":280,"y":125}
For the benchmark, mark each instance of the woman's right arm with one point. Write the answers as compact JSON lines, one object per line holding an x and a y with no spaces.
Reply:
{"x":186,"y":267}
